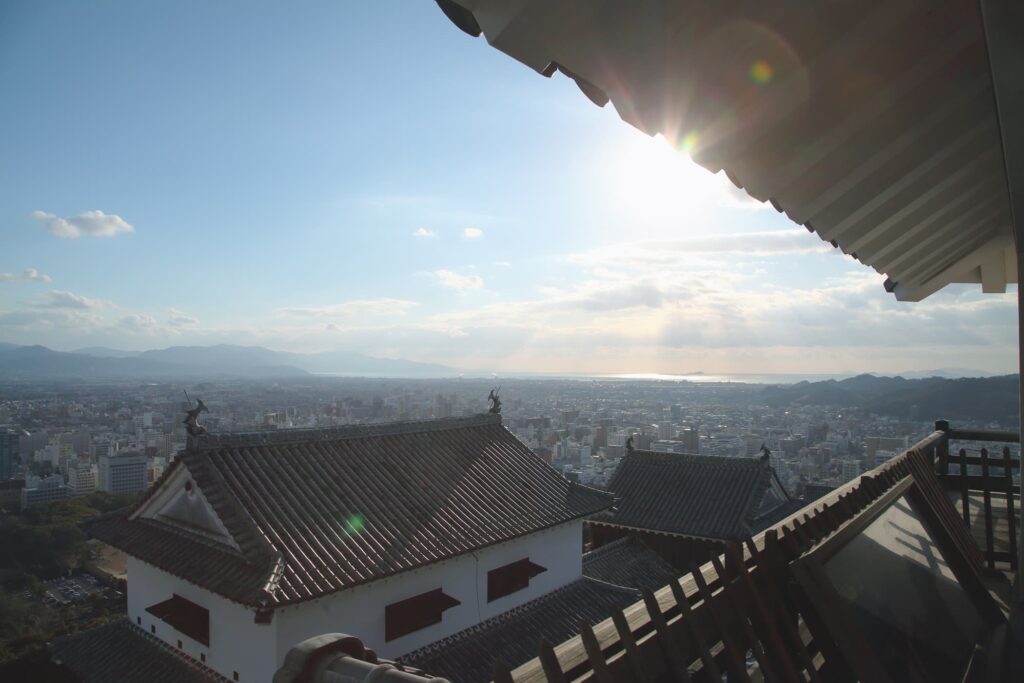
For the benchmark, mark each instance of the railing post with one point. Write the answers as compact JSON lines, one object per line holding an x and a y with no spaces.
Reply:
{"x":986,"y":494}
{"x":942,"y":448}
{"x":965,"y":499}
{"x":1011,"y":514}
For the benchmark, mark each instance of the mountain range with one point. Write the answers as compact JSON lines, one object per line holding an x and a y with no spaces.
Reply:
{"x":983,"y":398}
{"x":32,"y":363}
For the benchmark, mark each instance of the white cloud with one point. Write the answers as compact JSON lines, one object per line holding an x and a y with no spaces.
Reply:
{"x":764,"y":243}
{"x":48,"y":320}
{"x":27,"y":275}
{"x":455,"y":281}
{"x":139,"y":322}
{"x":423,"y":233}
{"x":59,"y":299}
{"x":360,"y":307}
{"x":176,"y":318}
{"x":472,"y":233}
{"x":35,"y":275}
{"x":91,"y":223}
{"x":503,"y":264}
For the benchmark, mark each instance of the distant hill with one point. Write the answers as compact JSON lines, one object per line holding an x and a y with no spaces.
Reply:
{"x":230,"y":356}
{"x":35,"y":363}
{"x":982,"y":398}
{"x":29,"y":363}
{"x":104,"y":352}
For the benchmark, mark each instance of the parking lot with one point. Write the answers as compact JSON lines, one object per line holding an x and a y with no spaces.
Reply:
{"x":72,"y":589}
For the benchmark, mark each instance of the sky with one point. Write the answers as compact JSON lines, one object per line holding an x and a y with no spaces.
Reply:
{"x":364,"y":176}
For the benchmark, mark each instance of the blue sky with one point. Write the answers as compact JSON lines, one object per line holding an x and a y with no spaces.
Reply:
{"x":342,"y":175}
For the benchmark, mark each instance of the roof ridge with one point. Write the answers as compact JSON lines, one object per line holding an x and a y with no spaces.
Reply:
{"x":607,"y":548}
{"x":733,"y":461}
{"x":342,"y":432}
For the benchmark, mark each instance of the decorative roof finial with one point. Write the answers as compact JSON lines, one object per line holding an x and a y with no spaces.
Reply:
{"x":495,"y":401}
{"x":191,"y":420}
{"x":629,"y":444}
{"x":765,"y":453}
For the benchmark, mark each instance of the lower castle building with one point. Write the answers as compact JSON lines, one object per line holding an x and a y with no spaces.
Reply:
{"x":401,"y":534}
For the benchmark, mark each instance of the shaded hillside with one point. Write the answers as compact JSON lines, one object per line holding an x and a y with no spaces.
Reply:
{"x":978,"y":398}
{"x":33,"y":363}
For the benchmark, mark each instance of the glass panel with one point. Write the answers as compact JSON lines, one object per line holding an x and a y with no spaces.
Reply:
{"x":905,"y":597}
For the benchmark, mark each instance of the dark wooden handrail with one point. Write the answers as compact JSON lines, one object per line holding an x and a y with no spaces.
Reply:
{"x":639,"y":634}
{"x":996,"y":477}
{"x":983,"y":435}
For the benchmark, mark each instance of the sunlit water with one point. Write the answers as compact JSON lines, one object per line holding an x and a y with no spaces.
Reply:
{"x":764,"y":378}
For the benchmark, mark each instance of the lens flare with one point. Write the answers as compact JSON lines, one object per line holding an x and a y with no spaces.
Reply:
{"x":689,"y":141}
{"x":354,"y":524}
{"x":761,"y":72}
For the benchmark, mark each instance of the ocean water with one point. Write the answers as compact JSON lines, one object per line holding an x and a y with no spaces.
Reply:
{"x":706,"y":378}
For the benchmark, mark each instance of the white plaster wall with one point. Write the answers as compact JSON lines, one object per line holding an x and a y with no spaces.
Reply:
{"x":360,"y":611}
{"x":237,"y":643}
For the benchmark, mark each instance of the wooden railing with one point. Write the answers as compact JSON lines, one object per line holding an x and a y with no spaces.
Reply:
{"x":742,"y":614}
{"x":988,"y":475}
{"x":739,"y":613}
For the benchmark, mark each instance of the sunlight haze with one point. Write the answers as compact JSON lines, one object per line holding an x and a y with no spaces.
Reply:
{"x":365,"y":177}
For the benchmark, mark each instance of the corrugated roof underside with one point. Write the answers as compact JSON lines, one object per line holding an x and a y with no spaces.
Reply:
{"x":872,"y":123}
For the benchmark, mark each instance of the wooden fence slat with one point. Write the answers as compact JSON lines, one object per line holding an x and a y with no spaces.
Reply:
{"x":729,"y":591}
{"x":691,"y":628}
{"x":775,"y":607}
{"x":769,"y":635}
{"x":501,"y":672}
{"x":986,"y":495}
{"x":964,"y":497}
{"x":549,"y":661}
{"x":602,"y":674}
{"x":737,"y":660}
{"x":632,"y":652}
{"x":1011,"y":516}
{"x":676,"y":662}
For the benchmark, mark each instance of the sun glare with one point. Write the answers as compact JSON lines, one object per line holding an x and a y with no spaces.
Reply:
{"x":657,"y":186}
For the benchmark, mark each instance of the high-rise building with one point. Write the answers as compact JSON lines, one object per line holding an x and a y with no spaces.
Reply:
{"x":81,"y":476}
{"x":850,"y":470}
{"x":43,"y":490}
{"x":9,"y":444}
{"x":691,"y":440}
{"x":123,"y":473}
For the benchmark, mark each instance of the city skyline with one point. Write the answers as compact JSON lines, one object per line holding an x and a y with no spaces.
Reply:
{"x":202,"y":175}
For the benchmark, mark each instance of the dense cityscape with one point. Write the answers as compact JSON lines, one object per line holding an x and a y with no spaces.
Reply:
{"x":491,"y":341}
{"x":75,"y":439}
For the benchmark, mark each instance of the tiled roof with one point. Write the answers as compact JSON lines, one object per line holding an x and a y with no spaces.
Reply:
{"x":120,"y":652}
{"x":628,"y":562}
{"x":694,"y":495}
{"x":317,"y":511}
{"x":204,"y":563}
{"x":613,"y":577}
{"x":513,"y":637}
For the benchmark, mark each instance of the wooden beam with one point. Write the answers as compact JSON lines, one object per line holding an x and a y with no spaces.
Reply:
{"x":993,"y":274}
{"x":916,"y":291}
{"x":1003,"y":22}
{"x":1004,"y":25}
